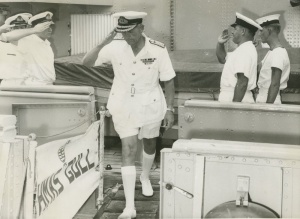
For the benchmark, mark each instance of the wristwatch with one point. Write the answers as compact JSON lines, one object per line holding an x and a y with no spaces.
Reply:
{"x":171,"y":109}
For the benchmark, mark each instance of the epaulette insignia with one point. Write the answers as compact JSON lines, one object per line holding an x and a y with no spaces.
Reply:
{"x":157,"y":43}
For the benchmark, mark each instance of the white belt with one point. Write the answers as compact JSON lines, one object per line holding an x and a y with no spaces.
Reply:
{"x":134,"y":89}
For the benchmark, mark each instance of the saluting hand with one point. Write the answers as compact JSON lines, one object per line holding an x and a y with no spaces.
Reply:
{"x":42,"y":26}
{"x":168,"y":120}
{"x":110,"y":37}
{"x":224,"y":37}
{"x":5,"y":27}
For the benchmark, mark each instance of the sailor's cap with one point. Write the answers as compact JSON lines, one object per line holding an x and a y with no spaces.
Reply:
{"x":128,"y":20}
{"x":246,"y":22}
{"x":18,"y":19}
{"x":40,"y":18}
{"x":267,"y":20}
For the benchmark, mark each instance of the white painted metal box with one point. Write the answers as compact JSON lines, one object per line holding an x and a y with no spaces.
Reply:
{"x":199,"y":175}
{"x":267,"y":123}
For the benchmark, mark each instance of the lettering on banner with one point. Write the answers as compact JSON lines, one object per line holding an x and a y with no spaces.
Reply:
{"x":49,"y":189}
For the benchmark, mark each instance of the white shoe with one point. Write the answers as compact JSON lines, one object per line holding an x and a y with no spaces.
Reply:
{"x":147,"y":189}
{"x":128,"y":213}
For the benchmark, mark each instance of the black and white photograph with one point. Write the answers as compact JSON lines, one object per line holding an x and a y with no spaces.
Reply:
{"x":161,"y":109}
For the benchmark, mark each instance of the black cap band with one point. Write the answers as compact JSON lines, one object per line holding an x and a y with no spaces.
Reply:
{"x":18,"y":23}
{"x":122,"y":21}
{"x":269,"y":22}
{"x":40,"y":20}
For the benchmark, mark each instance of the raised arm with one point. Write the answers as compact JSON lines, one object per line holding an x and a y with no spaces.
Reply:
{"x":19,"y":34}
{"x":220,"y":50}
{"x":90,"y":57}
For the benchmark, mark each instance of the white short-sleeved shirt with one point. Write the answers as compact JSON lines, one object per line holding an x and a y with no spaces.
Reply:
{"x":242,"y":60}
{"x":136,"y":98}
{"x":40,"y":60}
{"x":12,"y":63}
{"x":277,"y":58}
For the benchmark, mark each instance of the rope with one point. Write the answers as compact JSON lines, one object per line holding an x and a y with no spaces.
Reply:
{"x":85,"y":121}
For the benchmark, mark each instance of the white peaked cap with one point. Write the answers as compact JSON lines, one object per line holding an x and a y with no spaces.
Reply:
{"x":270,"y":19}
{"x":16,"y":18}
{"x":128,"y":20}
{"x":246,"y":22}
{"x":40,"y":18}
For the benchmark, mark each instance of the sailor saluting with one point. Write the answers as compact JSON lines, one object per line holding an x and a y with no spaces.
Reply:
{"x":240,"y":70}
{"x":136,"y":102}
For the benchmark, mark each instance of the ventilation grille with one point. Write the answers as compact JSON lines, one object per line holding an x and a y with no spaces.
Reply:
{"x":88,"y":30}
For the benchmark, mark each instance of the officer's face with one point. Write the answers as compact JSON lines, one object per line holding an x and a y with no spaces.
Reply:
{"x":46,"y":34}
{"x":237,"y":33}
{"x":134,"y":35}
{"x":264,"y":34}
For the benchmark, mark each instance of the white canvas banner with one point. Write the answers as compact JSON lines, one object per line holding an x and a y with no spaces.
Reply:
{"x":66,"y":175}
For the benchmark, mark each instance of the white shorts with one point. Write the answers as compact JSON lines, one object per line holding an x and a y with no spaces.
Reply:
{"x":146,"y":131}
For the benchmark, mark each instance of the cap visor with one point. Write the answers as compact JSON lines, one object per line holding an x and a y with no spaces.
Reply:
{"x":121,"y":29}
{"x":234,"y":24}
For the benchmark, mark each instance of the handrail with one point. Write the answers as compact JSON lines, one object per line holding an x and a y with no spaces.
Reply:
{"x":50,"y":89}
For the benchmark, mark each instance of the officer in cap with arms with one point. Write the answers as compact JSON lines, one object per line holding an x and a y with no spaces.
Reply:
{"x":136,"y":101}
{"x":274,"y":69}
{"x":240,"y":70}
{"x":38,"y":52}
{"x":13,"y":29}
{"x":12,"y":62}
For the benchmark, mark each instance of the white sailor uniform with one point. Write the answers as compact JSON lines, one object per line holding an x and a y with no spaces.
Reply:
{"x":12,"y":65}
{"x":136,"y":98}
{"x":277,"y":58}
{"x":242,"y":60}
{"x":40,"y":60}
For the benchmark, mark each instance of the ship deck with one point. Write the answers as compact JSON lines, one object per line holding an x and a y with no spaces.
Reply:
{"x":114,"y":199}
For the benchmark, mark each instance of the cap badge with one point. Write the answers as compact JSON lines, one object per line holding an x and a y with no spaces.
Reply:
{"x":123,"y":20}
{"x":19,"y":19}
{"x":48,"y":17}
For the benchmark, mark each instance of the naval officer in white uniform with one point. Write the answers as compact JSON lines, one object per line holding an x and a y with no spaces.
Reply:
{"x":38,"y":52}
{"x":12,"y":62}
{"x":240,"y":70}
{"x":136,"y":102}
{"x":274,"y":70}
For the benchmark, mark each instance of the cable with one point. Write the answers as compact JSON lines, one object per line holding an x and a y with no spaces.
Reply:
{"x":49,"y":136}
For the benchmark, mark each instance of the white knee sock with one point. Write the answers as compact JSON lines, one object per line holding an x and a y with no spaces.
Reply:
{"x":147,"y":164}
{"x":128,"y":177}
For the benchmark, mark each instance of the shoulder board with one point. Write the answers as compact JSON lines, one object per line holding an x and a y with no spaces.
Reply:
{"x":157,"y":43}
